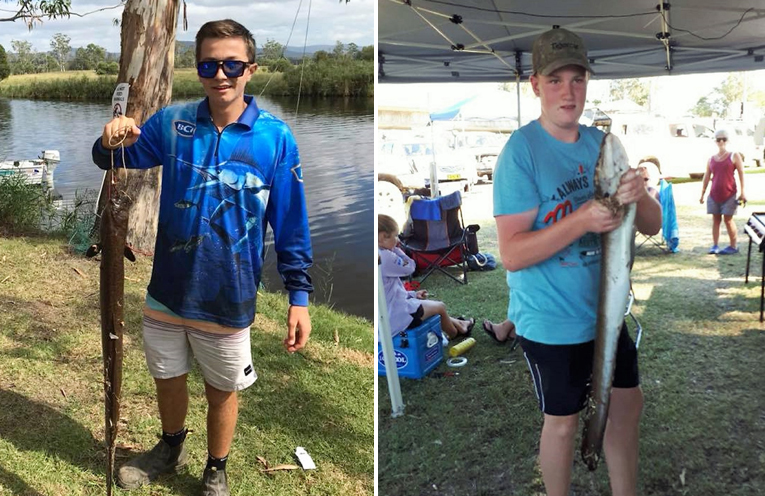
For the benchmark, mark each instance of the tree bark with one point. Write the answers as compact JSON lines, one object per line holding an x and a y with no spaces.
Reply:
{"x":146,"y":63}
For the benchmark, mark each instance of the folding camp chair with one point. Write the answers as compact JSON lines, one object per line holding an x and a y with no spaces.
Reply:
{"x":436,"y":237}
{"x":656,"y":240}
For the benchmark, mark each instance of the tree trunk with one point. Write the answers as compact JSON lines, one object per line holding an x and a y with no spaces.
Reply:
{"x":146,"y":63}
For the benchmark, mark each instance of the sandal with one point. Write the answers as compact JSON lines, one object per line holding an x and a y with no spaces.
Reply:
{"x":469,"y":330}
{"x":489,"y":329}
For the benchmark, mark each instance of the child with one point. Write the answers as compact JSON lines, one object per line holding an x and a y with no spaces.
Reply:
{"x":408,"y":309}
{"x":549,"y":242}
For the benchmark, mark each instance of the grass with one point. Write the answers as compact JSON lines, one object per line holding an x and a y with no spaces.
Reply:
{"x":703,"y":426}
{"x":51,"y":393}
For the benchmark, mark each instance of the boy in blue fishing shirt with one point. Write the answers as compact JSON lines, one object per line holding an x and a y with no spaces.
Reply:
{"x":228,"y":169}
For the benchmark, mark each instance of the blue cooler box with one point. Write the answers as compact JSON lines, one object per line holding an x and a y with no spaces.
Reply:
{"x":418,"y":350}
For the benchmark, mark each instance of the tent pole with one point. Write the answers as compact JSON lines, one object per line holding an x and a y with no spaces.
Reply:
{"x":433,"y":166}
{"x":518,"y":95}
{"x":518,"y":70}
{"x":389,"y":354}
{"x":665,"y":34}
{"x":433,"y":169}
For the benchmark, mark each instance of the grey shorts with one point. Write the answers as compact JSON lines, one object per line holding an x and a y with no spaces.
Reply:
{"x":225,"y":359}
{"x":728,"y":207}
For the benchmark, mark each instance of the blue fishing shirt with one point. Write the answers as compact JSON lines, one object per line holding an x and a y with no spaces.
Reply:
{"x":219,"y":189}
{"x":554,"y":301}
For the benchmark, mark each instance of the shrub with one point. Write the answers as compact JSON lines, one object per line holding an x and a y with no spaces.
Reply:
{"x":107,"y":68}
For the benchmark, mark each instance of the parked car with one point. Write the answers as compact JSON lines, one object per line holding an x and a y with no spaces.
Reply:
{"x":683,"y":147}
{"x":452,"y":164}
{"x":411,"y":162}
{"x":485,"y":147}
{"x":759,"y":141}
{"x":742,"y":141}
{"x":596,"y":118}
{"x":394,"y":160}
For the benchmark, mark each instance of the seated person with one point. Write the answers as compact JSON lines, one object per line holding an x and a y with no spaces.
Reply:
{"x":409,"y":309}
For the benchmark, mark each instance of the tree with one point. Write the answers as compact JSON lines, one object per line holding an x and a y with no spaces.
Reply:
{"x":22,"y":62}
{"x":88,"y":58}
{"x":352,"y":51}
{"x":185,"y":57}
{"x":731,"y":90}
{"x":5,"y":68}
{"x":32,"y":12}
{"x":107,"y":68}
{"x":60,"y":48}
{"x":43,"y":62}
{"x":147,"y":65}
{"x":758,"y":97}
{"x":709,"y":107}
{"x":271,"y":50}
{"x":339,"y":50}
{"x":630,"y":89}
{"x":280,"y":65}
{"x":320,"y":56}
{"x":706,"y":107}
{"x":367,"y":53}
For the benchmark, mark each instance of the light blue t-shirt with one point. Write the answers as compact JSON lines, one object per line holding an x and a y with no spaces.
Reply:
{"x":554,"y":301}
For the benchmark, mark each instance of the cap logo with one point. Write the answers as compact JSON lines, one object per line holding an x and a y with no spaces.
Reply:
{"x":557,"y":45}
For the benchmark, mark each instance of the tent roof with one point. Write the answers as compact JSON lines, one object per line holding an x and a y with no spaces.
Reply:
{"x":482,"y":41}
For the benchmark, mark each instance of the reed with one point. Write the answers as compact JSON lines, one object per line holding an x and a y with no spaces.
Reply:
{"x":23,"y":206}
{"x":353,"y":78}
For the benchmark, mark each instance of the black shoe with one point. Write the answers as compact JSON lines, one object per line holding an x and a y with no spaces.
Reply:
{"x":145,"y":468}
{"x":215,"y":483}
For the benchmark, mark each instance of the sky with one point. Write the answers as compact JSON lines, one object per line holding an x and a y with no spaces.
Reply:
{"x":330,"y":21}
{"x":674,"y":95}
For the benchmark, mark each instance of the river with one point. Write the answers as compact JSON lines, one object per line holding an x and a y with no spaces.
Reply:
{"x":336,"y":142}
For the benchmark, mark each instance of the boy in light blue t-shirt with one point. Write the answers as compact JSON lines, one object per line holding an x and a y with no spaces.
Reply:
{"x":549,"y":228}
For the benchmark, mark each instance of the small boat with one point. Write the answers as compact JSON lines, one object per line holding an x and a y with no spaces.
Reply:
{"x":37,"y":170}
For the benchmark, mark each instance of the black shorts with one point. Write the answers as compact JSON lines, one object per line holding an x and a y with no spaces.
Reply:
{"x":416,"y":317}
{"x":562,"y":373}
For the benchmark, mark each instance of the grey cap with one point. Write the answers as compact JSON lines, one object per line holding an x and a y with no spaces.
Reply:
{"x":558,"y":48}
{"x":721,"y":133}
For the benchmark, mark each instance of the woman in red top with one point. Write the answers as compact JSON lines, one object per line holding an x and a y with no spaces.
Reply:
{"x":722,"y":202}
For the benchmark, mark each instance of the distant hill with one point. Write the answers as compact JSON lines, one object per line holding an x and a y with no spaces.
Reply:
{"x":290,"y":52}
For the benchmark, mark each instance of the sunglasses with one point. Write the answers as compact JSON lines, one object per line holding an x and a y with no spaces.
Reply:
{"x":231,"y":68}
{"x":721,"y":139}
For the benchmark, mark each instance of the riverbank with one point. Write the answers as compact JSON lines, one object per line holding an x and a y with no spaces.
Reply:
{"x":351,"y":79}
{"x":51,"y":420}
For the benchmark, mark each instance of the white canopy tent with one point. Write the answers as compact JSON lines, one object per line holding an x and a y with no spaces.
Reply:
{"x":485,"y":41}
